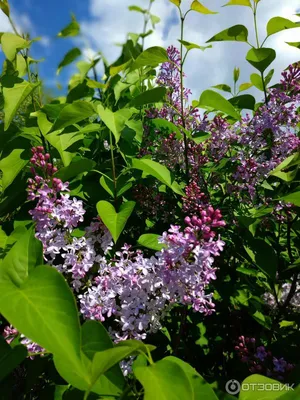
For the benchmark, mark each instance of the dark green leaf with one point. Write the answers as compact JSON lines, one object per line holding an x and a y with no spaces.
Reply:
{"x":244,"y":101}
{"x":223,"y":87}
{"x":155,"y":95}
{"x":68,"y":58}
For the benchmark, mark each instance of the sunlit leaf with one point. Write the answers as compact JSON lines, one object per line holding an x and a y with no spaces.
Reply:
{"x":261,"y":58}
{"x":278,"y":24}
{"x":68,"y":59}
{"x":200,"y":8}
{"x":236,"y":33}
{"x":72,"y":29}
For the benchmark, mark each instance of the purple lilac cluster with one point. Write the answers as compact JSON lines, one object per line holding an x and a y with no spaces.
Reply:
{"x":136,"y":291}
{"x":56,"y":215}
{"x":260,"y":360}
{"x":10,"y":333}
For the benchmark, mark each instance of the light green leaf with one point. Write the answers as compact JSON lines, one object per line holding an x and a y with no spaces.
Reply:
{"x":150,"y":240}
{"x":223,"y":86}
{"x":4,"y":6}
{"x":216,"y":101}
{"x":15,"y":91}
{"x":189,"y":46}
{"x":261,"y":58}
{"x":73,"y":113}
{"x":256,"y":81}
{"x":159,"y":171}
{"x":176,"y":2}
{"x":12,"y":164}
{"x":68,"y":59}
{"x":116,"y":69}
{"x":11,"y":44}
{"x":43,"y":309}
{"x":72,"y":29}
{"x":25,"y":255}
{"x":294,"y":44}
{"x":154,"y":20}
{"x":236,"y":33}
{"x":198,"y":7}
{"x":165,"y":380}
{"x":156,"y":95}
{"x":136,"y":8}
{"x":150,"y":57}
{"x":293,"y":198}
{"x":115,"y":222}
{"x":252,"y":388}
{"x":278,"y":24}
{"x":115,"y":121}
{"x":238,"y":3}
{"x":245,"y":86}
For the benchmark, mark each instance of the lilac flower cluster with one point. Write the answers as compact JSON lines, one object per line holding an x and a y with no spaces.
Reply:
{"x":283,"y":294}
{"x":260,"y":360}
{"x":56,"y":215}
{"x":135,"y":292}
{"x":11,"y":334}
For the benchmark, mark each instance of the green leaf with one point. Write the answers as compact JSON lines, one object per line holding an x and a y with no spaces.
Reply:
{"x":269,"y":76}
{"x":115,"y":121}
{"x":4,"y":6}
{"x":278,"y":24}
{"x":236,"y":33}
{"x":75,"y":168}
{"x":151,"y":57}
{"x":201,"y":136}
{"x":223,"y":87}
{"x":165,"y":380}
{"x":244,"y":101}
{"x":176,"y":2}
{"x":294,"y":44}
{"x":138,"y":9}
{"x":15,"y":91}
{"x":264,"y":256}
{"x":68,"y":59}
{"x":155,"y":95}
{"x":25,"y":255}
{"x":115,"y":222}
{"x":293,"y":198}
{"x":216,"y":101}
{"x":12,"y":44}
{"x":150,"y":240}
{"x":154,"y":20}
{"x":238,"y":3}
{"x":105,"y":360}
{"x":43,"y":308}
{"x":245,"y":86}
{"x":251,"y":388}
{"x":198,"y":7}
{"x":116,"y":69}
{"x":201,"y":389}
{"x":10,"y":358}
{"x":95,"y":339}
{"x":261,"y":58}
{"x":12,"y":165}
{"x":160,"y":123}
{"x":256,"y":81}
{"x":73,"y":113}
{"x":159,"y":171}
{"x":189,"y":46}
{"x":72,"y":29}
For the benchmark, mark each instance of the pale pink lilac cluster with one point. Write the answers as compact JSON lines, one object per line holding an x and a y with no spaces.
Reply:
{"x":260,"y":360}
{"x":136,"y":291}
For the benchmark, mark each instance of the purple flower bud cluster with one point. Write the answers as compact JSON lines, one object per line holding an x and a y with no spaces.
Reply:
{"x":136,"y":292}
{"x":260,"y":360}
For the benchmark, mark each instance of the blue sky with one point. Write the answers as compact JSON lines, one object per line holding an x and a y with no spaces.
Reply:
{"x":106,"y":22}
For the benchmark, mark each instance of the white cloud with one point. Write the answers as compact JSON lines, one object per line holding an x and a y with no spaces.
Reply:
{"x":111,"y":21}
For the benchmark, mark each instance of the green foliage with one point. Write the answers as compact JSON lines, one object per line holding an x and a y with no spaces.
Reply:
{"x":236,"y":33}
{"x":261,"y":58}
{"x":215,"y":101}
{"x":72,"y":29}
{"x":68,"y":58}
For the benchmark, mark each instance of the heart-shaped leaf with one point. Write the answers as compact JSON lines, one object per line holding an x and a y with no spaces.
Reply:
{"x":261,"y":58}
{"x":115,"y":222}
